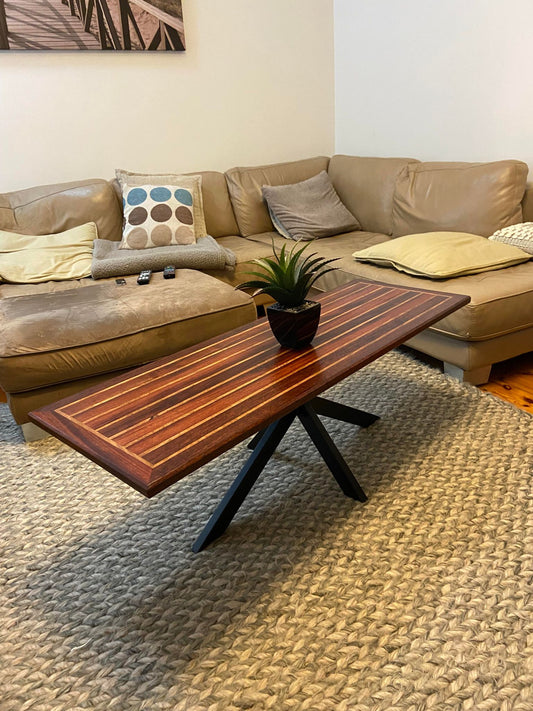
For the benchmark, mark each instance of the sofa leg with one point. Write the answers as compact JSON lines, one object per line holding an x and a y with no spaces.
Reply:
{"x":32,"y":433}
{"x":476,"y":376}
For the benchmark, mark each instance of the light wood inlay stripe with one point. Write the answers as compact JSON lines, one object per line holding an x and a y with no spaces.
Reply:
{"x":255,"y":385}
{"x":223,"y":346}
{"x":216,"y":378}
{"x":166,"y":419}
{"x":195,"y":441}
{"x":179,"y":379}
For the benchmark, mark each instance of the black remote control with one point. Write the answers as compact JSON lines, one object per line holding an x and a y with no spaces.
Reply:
{"x":144,"y":277}
{"x":169,"y":272}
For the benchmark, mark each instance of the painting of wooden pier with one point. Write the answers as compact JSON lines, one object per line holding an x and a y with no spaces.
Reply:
{"x":91,"y":24}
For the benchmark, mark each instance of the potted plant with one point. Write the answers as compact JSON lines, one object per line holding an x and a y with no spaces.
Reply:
{"x":287,"y":277}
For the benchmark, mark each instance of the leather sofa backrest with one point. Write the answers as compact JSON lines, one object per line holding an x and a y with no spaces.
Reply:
{"x":527,"y":204}
{"x":462,"y":197}
{"x":218,"y":212}
{"x":245,"y":185}
{"x":366,"y":186}
{"x":49,"y":209}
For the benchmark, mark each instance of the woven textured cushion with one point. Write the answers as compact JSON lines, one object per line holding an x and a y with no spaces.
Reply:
{"x":189,"y":183}
{"x":30,"y":259}
{"x":309,"y":209}
{"x":520,"y":235}
{"x":442,"y":255}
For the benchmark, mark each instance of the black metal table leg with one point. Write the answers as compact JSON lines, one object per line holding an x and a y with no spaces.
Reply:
{"x":264,"y":444}
{"x":330,"y":454}
{"x":338,"y":411}
{"x":252,"y":444}
{"x":247,"y":477}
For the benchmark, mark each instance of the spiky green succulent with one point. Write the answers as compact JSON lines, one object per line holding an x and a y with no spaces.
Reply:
{"x":288,"y":276}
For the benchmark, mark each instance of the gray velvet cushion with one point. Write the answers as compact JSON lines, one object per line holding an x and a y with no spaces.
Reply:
{"x":309,"y":209}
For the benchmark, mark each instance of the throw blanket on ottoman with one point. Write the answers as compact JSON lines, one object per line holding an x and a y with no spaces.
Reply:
{"x":110,"y":261}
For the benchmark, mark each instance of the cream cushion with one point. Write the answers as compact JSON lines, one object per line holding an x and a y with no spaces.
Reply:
{"x":442,"y":255}
{"x":27,"y":259}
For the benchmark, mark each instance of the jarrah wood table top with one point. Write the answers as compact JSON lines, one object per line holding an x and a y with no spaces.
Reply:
{"x":157,"y":423}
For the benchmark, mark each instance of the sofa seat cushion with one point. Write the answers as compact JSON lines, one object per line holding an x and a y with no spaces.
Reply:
{"x":337,"y":247}
{"x":501,"y":300}
{"x":244,"y":250}
{"x":61,"y":335}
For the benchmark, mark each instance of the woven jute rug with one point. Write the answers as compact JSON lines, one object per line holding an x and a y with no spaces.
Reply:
{"x":421,"y":598}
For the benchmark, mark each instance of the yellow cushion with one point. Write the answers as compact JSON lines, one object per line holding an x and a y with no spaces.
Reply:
{"x":28,"y":259}
{"x":442,"y":255}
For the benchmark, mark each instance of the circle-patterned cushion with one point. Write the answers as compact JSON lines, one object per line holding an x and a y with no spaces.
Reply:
{"x":520,"y":235}
{"x":157,"y":216}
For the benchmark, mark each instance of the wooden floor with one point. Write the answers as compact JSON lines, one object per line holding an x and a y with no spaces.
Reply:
{"x":511,"y":381}
{"x":45,"y":24}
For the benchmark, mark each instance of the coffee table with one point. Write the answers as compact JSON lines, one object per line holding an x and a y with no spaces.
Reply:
{"x":155,"y":424}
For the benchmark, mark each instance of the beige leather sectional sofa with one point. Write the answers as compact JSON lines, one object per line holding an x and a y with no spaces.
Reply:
{"x":60,"y":337}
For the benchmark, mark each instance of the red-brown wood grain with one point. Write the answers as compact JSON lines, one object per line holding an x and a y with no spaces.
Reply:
{"x":162,"y":421}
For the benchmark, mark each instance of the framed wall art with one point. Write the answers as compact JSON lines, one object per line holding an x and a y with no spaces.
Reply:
{"x":91,"y":24}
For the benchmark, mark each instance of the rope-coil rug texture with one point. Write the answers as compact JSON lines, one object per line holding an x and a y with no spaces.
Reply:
{"x":421,"y":598}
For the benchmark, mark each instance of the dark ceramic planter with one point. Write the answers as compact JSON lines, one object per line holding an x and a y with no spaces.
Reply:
{"x":294,"y":327}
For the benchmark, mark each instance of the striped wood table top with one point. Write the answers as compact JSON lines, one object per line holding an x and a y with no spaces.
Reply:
{"x":157,"y":423}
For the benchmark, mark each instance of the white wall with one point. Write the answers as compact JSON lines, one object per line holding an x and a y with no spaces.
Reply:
{"x":434,"y":79}
{"x":255,"y":85}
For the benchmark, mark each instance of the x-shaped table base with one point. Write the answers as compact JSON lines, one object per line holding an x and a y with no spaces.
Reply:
{"x":264,"y":445}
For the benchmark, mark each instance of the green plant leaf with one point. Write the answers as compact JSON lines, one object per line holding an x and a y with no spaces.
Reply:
{"x":253,"y":285}
{"x":321,"y":274}
{"x":288,"y":275}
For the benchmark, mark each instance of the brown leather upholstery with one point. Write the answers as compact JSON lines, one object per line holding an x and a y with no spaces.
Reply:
{"x":501,"y":300}
{"x":58,"y":337}
{"x":366,"y":186}
{"x":49,"y":209}
{"x":459,"y":197}
{"x":218,"y":211}
{"x":245,"y":185}
{"x":527,"y":204}
{"x":66,"y":335}
{"x":244,"y":251}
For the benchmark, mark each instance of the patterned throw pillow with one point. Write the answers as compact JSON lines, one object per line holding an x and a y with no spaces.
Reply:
{"x":192,"y":183}
{"x":157,"y":216}
{"x":520,"y":235}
